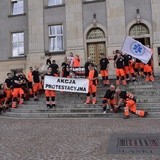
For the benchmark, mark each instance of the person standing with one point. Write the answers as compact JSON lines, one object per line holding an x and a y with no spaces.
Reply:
{"x":71,"y":58}
{"x":89,"y":60}
{"x":48,"y":61}
{"x":17,"y":89}
{"x":30,"y":80}
{"x":55,"y":68}
{"x":104,"y":69}
{"x":128,"y":67}
{"x":37,"y":86}
{"x":148,"y":71}
{"x":8,"y":88}
{"x":93,"y":77}
{"x":120,"y":69}
{"x":50,"y":94}
{"x":76,"y":61}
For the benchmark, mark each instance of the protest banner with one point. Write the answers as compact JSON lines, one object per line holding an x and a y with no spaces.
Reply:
{"x":66,"y":84}
{"x":79,"y":72}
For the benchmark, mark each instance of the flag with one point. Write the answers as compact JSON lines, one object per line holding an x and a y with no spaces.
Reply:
{"x":136,"y":50}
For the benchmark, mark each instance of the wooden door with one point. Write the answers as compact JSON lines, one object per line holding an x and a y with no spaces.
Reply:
{"x":94,"y":51}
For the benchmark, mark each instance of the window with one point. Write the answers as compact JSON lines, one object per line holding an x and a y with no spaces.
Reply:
{"x":17,"y":7}
{"x":95,"y":33}
{"x":92,"y":0}
{"x":138,"y":29}
{"x":56,"y":38}
{"x":17,"y":44}
{"x":54,"y":2}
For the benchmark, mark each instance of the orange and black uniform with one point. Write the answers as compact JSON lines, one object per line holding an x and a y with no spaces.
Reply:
{"x":25,"y":86}
{"x":17,"y":91}
{"x":8,"y":88}
{"x":54,"y":69}
{"x":103,"y":70}
{"x":30,"y":79}
{"x":120,"y":70}
{"x":76,"y":62}
{"x":92,"y":86}
{"x":2,"y":99}
{"x":108,"y":99}
{"x":50,"y":94}
{"x":139,"y":67}
{"x":148,"y":71}
{"x":65,"y":70}
{"x":130,"y":104}
{"x":36,"y":79}
{"x":128,"y":66}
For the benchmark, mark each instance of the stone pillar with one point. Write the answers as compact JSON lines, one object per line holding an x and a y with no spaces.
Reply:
{"x":74,"y":28}
{"x":116,"y":27}
{"x":156,"y":33}
{"x":35,"y":33}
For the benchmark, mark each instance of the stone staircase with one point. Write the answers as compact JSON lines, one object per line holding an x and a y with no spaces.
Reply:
{"x":71,"y":105}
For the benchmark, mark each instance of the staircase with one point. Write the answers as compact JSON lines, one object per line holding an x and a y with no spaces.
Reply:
{"x":71,"y":105}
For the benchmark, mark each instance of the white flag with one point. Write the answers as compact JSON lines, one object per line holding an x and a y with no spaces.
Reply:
{"x":136,"y":50}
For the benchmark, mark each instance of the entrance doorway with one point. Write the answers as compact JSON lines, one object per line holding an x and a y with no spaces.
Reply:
{"x":144,"y":41}
{"x":94,"y":50}
{"x":95,"y":44}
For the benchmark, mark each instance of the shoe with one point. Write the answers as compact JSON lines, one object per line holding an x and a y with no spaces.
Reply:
{"x":145,"y":114}
{"x":104,"y":112}
{"x":36,"y":99}
{"x":54,"y":105}
{"x":126,"y":117}
{"x":94,"y":102}
{"x":48,"y":106}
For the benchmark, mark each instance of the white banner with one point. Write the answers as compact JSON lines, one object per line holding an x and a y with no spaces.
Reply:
{"x":66,"y":84}
{"x":136,"y":50}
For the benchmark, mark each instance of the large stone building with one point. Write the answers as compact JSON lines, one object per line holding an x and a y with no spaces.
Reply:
{"x":32,"y":29}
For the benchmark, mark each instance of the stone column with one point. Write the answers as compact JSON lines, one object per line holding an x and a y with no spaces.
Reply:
{"x":156,"y":33}
{"x":116,"y":26}
{"x":35,"y":33}
{"x":74,"y":28}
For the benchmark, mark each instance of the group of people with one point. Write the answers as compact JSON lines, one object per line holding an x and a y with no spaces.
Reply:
{"x":126,"y":67}
{"x":20,"y":86}
{"x":115,"y":99}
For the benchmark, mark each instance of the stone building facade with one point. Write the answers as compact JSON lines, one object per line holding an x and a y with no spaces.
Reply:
{"x":32,"y":29}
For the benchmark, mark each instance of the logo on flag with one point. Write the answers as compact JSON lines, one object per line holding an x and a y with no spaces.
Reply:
{"x":136,"y":50}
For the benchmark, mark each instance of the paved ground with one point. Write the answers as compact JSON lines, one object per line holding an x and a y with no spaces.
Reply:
{"x":68,"y":139}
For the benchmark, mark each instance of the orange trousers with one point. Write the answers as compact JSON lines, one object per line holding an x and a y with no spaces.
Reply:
{"x":132,"y":106}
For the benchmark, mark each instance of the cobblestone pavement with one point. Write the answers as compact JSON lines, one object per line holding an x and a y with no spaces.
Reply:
{"x":68,"y":139}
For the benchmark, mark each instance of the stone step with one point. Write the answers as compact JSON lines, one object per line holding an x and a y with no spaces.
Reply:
{"x":72,"y":110}
{"x":57,"y":110}
{"x":76,"y":106}
{"x":74,"y":115}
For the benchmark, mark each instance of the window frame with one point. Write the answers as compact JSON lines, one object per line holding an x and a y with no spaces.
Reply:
{"x":52,"y":5}
{"x":17,"y":43}
{"x":50,"y":36}
{"x":92,"y":1}
{"x":12,"y":7}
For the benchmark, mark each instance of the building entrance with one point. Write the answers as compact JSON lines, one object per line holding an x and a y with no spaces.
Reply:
{"x":94,"y":50}
{"x":95,"y":44}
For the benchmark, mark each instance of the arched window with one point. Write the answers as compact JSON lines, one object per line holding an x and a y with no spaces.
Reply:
{"x":95,"y":33}
{"x":138,"y":29}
